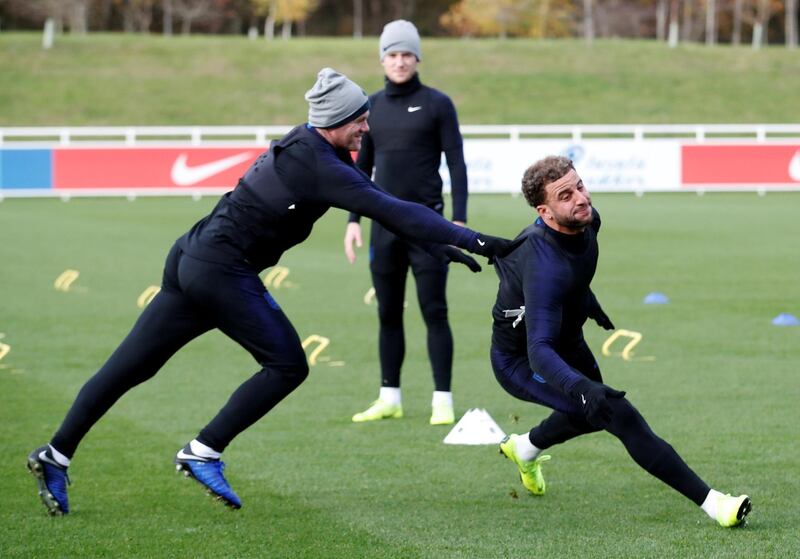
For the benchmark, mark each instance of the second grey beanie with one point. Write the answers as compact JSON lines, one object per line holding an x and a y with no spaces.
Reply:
{"x":400,"y":36}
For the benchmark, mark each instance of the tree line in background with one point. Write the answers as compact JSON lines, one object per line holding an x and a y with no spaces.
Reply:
{"x":756,"y":22}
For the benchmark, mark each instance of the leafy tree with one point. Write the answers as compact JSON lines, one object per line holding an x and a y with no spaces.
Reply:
{"x":190,"y":10}
{"x":285,"y":12}
{"x":71,"y":14}
{"x":137,"y":15}
{"x":501,"y":18}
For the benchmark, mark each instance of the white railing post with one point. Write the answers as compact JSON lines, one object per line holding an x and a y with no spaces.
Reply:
{"x":700,"y":134}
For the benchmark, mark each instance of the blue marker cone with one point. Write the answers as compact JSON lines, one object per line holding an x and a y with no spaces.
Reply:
{"x":786,"y":319}
{"x":656,"y":298}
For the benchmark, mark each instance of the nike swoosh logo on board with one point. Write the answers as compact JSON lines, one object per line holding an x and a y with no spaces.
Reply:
{"x":184,"y":175}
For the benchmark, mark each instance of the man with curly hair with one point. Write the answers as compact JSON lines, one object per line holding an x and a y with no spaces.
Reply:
{"x":539,"y":353}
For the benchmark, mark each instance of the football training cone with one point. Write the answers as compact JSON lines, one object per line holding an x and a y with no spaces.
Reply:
{"x":474,"y":428}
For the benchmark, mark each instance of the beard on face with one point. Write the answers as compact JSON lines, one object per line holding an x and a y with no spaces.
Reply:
{"x":572,"y":222}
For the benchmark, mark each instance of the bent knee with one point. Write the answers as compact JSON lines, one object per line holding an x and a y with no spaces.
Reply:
{"x":293,"y":368}
{"x":297,"y":369}
{"x":625,"y":416}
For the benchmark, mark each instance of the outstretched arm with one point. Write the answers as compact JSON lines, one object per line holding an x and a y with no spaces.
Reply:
{"x":350,"y":189}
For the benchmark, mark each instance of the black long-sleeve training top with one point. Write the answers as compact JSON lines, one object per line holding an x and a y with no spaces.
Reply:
{"x":291,"y":186}
{"x":549,"y":274}
{"x":411,"y":124}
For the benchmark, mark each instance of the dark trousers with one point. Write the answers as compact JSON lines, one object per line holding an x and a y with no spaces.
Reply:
{"x":390,"y":259}
{"x":567,"y":421}
{"x":197,"y":296}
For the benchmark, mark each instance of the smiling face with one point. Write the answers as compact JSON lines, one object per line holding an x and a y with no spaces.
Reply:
{"x":347,"y":136}
{"x":568,"y":206}
{"x":399,"y":66}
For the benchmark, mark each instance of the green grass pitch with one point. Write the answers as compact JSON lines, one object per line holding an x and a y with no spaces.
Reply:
{"x":722,"y":388}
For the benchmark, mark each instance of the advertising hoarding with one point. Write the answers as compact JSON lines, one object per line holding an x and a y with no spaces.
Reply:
{"x":493,"y":165}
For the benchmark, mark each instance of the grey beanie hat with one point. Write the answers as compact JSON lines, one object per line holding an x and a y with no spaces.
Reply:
{"x":335,"y":100}
{"x":400,"y":36}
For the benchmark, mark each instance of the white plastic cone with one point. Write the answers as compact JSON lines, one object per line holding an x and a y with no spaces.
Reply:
{"x":475,"y":427}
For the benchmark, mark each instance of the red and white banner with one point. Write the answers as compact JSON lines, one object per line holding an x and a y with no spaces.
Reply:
{"x":493,"y":165}
{"x":744,"y":165}
{"x":604,"y":165}
{"x":142,"y":168}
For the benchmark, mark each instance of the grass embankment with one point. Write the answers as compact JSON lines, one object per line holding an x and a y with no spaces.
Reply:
{"x":104,"y":79}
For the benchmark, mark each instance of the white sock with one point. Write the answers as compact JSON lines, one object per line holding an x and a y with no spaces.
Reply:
{"x":203,"y":451}
{"x":390,"y":395}
{"x":442,"y":398}
{"x":525,"y":448}
{"x":58,"y":457}
{"x":710,"y":504}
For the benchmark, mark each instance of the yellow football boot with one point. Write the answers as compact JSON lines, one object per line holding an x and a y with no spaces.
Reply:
{"x":530,"y":471}
{"x":379,"y":409}
{"x":442,"y":414}
{"x":733,"y":511}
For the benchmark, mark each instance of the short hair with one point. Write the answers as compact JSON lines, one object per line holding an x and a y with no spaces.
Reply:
{"x":542,"y":173}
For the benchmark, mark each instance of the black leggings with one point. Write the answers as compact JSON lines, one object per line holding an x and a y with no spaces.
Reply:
{"x":390,"y":291}
{"x":566,"y":422}
{"x":197,"y":296}
{"x":647,"y":449}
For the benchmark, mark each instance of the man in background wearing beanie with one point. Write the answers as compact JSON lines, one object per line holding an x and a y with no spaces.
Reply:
{"x":410,"y":126}
{"x":211,"y":281}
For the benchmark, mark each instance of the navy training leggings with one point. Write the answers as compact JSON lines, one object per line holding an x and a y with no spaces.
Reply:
{"x":567,"y":421}
{"x":198,"y":296}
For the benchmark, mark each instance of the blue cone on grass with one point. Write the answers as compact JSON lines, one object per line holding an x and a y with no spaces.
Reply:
{"x":786,"y":319}
{"x":656,"y":298}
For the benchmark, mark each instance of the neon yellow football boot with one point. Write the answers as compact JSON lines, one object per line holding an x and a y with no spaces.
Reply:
{"x":733,"y":511}
{"x":379,"y":409}
{"x":530,"y":471}
{"x":442,"y":414}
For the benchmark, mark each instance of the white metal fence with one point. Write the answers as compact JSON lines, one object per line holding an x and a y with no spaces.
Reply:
{"x":200,"y":135}
{"x":48,"y":161}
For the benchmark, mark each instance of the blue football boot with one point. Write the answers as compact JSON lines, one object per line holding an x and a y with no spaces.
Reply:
{"x":52,"y":480}
{"x":208,"y":472}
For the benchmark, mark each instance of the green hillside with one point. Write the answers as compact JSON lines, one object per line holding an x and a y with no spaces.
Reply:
{"x":105,"y":79}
